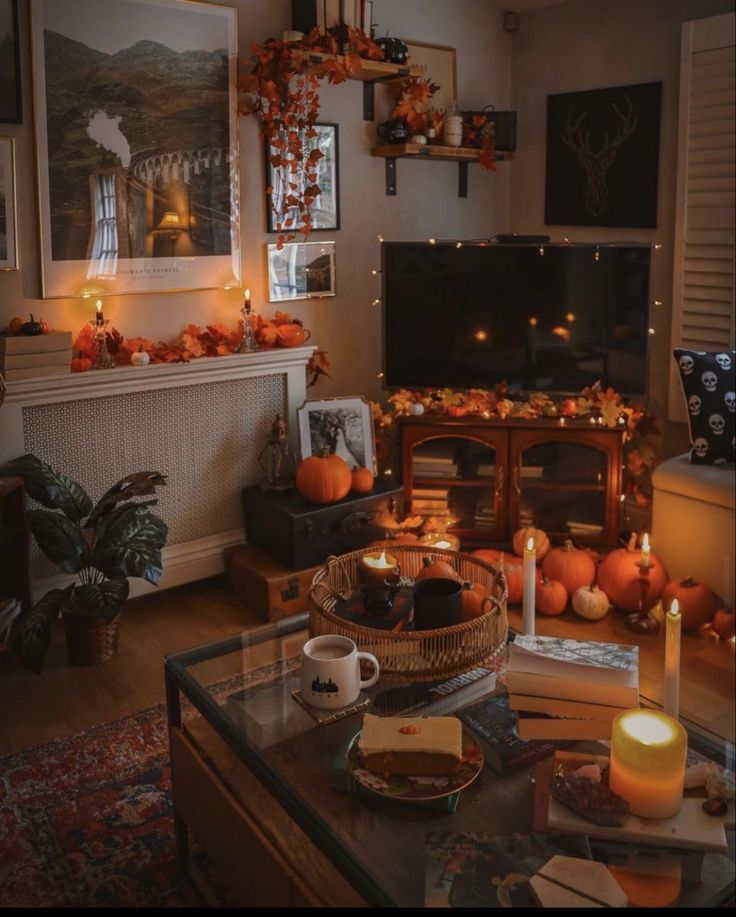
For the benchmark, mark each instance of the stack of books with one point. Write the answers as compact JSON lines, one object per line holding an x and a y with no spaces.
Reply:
{"x":583,"y":528}
{"x":532,"y":471}
{"x":434,"y":461}
{"x":569,"y":689}
{"x":429,"y":501}
{"x":485,"y":514}
{"x":26,"y":357}
{"x":486,"y":470}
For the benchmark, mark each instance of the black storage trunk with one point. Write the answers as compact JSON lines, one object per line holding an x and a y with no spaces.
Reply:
{"x":301,"y":534}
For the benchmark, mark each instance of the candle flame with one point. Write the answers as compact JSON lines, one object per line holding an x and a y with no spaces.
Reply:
{"x":530,"y":544}
{"x":645,"y":543}
{"x":648,"y":728}
{"x":382,"y":559}
{"x":99,"y":305}
{"x":247,"y":293}
{"x":675,"y":607}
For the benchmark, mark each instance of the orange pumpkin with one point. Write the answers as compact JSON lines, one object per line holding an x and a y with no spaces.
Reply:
{"x":323,"y":478}
{"x":362,"y":481}
{"x":512,"y":568}
{"x":541,"y":541}
{"x":551,"y":597}
{"x":619,"y":577}
{"x":14,"y":325}
{"x":697,"y":602}
{"x":724,"y":623}
{"x":436,"y":569}
{"x":476,"y":601}
{"x":570,"y":566}
{"x":81,"y":364}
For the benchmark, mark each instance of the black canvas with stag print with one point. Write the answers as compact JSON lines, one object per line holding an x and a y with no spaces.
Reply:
{"x":603,"y":157}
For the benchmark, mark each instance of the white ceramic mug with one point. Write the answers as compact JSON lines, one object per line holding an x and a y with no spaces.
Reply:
{"x":331,"y":672}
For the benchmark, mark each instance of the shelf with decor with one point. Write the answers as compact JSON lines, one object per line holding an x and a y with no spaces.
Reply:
{"x":433,"y":152}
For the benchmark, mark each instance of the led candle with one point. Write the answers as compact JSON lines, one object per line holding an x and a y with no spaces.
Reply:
{"x":648,"y":752}
{"x":530,"y":573}
{"x":441,"y":540}
{"x":376,"y":567}
{"x":672,"y":660}
{"x":99,"y":317}
{"x":645,"y":552}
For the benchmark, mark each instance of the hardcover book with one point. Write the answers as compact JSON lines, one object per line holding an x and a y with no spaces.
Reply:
{"x":482,"y":870}
{"x":494,"y":723}
{"x":542,"y":726}
{"x":569,"y":708}
{"x":589,"y":659}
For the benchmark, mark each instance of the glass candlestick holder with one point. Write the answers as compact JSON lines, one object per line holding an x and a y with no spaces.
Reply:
{"x":102,"y":358}
{"x":249,"y":344}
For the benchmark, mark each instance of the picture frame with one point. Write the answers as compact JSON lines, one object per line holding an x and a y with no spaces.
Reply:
{"x":440,"y":65}
{"x":325,"y":210}
{"x":8,"y":212}
{"x":602,"y":163}
{"x":138,"y":180}
{"x":11,"y":111}
{"x":342,"y":425}
{"x":301,"y":270}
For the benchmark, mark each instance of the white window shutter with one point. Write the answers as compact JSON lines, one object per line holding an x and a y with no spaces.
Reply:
{"x":705,"y":230}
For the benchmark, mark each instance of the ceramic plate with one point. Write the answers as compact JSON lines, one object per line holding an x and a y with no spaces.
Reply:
{"x":418,"y":788}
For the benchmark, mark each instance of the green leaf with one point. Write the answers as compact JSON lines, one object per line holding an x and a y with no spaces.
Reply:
{"x":51,"y":488}
{"x":103,"y":600}
{"x":36,"y":633}
{"x":140,"y":484}
{"x":129,"y":542}
{"x":59,"y":539}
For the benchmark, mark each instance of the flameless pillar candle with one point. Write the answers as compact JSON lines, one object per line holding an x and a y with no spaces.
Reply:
{"x":530,"y":572}
{"x":441,"y":540}
{"x":648,"y":751}
{"x":645,"y":552}
{"x":377,"y":567}
{"x":672,"y":661}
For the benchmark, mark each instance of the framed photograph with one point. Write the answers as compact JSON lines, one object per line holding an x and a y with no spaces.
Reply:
{"x":301,"y":270}
{"x":8,"y":222}
{"x":344,"y":426}
{"x":440,"y":65}
{"x":603,"y":157}
{"x":137,"y":137}
{"x":326,"y":208}
{"x":10,"y":110}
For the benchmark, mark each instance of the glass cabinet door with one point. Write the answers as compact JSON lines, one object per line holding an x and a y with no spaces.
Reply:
{"x":562,"y":487}
{"x":456,"y":478}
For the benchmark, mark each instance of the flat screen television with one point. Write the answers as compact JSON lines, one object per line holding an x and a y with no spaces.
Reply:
{"x":551,"y":318}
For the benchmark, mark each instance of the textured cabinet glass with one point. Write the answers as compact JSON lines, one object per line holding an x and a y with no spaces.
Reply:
{"x":490,"y":477}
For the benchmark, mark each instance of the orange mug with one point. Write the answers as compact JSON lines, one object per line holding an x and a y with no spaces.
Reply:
{"x":293,"y":335}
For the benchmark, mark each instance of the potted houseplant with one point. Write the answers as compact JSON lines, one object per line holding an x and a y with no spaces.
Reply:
{"x":102,"y":544}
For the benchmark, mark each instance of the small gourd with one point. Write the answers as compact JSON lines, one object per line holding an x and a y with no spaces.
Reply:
{"x":436,"y":569}
{"x":476,"y":601}
{"x":551,"y":597}
{"x":81,"y":364}
{"x":140,"y":357}
{"x":362,"y":481}
{"x":590,"y":602}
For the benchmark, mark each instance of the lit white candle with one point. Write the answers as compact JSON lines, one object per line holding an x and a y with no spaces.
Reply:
{"x":530,"y":573}
{"x":672,"y":661}
{"x":247,"y":299}
{"x":99,"y":318}
{"x":645,"y":552}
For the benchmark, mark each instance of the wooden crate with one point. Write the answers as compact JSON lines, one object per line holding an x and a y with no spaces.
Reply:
{"x":268,"y":588}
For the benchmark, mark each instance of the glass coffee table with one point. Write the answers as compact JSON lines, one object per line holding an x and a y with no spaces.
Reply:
{"x":265,"y":792}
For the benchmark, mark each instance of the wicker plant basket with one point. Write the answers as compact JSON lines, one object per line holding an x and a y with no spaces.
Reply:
{"x":427,"y":655}
{"x":89,"y":639}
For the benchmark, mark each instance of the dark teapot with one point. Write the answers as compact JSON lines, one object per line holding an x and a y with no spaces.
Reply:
{"x":394,"y":50}
{"x":394,"y":131}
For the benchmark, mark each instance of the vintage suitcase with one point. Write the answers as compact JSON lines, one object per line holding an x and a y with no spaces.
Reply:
{"x":300,"y":534}
{"x":267,"y":587}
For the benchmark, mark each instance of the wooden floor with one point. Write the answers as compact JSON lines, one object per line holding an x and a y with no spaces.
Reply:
{"x":65,"y":700}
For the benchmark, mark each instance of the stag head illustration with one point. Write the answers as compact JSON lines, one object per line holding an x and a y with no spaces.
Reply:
{"x":596,"y":164}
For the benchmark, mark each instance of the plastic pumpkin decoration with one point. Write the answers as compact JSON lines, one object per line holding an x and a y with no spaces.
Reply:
{"x":551,"y":597}
{"x":724,"y":623}
{"x":697,"y":602}
{"x":476,"y":601}
{"x":81,"y":364}
{"x":323,"y":478}
{"x":540,"y":539}
{"x":362,"y":481}
{"x":619,"y":577}
{"x":436,"y":569}
{"x":590,"y":602}
{"x":570,"y":566}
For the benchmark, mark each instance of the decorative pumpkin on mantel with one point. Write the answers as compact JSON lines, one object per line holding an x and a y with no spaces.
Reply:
{"x":570,"y":566}
{"x":619,"y":575}
{"x":324,"y":478}
{"x":362,"y":481}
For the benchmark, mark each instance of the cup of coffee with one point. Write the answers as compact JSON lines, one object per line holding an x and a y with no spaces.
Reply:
{"x":331,"y":672}
{"x":437,"y":603}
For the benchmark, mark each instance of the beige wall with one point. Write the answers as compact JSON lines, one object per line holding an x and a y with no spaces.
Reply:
{"x":589,"y":44}
{"x":427,"y":203}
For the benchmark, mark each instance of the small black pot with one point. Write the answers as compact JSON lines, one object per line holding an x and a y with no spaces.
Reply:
{"x":394,"y":131}
{"x":394,"y":49}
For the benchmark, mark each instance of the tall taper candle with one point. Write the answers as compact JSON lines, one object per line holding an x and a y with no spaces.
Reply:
{"x":530,"y":573}
{"x":672,"y":661}
{"x":646,"y":551}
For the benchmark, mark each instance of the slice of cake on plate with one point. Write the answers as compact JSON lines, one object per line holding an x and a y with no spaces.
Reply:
{"x":412,"y":745}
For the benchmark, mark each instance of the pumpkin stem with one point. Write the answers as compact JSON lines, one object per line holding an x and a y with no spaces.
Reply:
{"x":688,"y":582}
{"x":32,"y":318}
{"x":427,"y":561}
{"x":631,"y":546}
{"x":568,"y":545}
{"x":325,"y":452}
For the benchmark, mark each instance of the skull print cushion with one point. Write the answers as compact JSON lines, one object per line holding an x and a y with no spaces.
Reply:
{"x":709,"y":384}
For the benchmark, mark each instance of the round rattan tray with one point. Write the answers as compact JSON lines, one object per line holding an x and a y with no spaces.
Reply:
{"x":428,"y":655}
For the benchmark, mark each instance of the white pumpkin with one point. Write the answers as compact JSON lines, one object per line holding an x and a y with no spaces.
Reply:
{"x":416,"y":408}
{"x":140,"y":357}
{"x":590,"y":602}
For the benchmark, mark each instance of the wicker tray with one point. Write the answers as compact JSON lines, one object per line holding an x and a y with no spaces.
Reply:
{"x":428,"y":655}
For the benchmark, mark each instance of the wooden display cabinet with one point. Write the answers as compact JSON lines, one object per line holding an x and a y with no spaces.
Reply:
{"x":494,"y":476}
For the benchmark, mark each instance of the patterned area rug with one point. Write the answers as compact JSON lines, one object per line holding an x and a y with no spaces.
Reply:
{"x":87,"y":821}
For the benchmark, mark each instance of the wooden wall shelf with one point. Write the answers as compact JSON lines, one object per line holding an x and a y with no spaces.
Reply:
{"x":428,"y":152}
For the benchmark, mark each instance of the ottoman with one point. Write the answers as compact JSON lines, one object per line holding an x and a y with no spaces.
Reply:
{"x":693,"y":522}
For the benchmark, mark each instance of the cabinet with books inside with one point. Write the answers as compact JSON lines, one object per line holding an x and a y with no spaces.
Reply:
{"x":15,"y":588}
{"x":488,"y":478}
